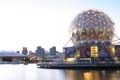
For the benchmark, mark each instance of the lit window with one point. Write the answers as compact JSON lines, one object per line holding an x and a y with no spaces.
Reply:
{"x":94,"y":51}
{"x":112,"y":50}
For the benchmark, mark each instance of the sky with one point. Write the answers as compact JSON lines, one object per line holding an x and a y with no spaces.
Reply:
{"x":46,"y":23}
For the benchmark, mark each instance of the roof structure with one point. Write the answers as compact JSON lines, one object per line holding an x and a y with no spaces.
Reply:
{"x":10,"y":54}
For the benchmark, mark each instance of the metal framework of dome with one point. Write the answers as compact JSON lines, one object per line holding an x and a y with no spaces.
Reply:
{"x":92,"y":25}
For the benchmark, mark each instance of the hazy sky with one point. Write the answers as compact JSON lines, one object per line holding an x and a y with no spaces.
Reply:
{"x":46,"y":23}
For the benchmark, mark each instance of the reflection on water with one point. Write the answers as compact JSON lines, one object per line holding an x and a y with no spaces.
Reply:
{"x":31,"y":72}
{"x":92,"y":75}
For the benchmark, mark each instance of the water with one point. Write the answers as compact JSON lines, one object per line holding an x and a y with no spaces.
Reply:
{"x":31,"y":72}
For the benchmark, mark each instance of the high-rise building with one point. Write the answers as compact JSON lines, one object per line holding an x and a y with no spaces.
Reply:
{"x":40,"y":51}
{"x":25,"y":51}
{"x":53,"y":50}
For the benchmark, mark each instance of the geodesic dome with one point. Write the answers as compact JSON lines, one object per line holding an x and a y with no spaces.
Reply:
{"x":91,"y":25}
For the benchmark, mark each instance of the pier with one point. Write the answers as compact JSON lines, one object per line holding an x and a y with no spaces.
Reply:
{"x":81,"y":65}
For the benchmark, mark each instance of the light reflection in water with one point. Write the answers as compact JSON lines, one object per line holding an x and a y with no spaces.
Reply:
{"x":88,"y":76}
{"x":92,"y":75}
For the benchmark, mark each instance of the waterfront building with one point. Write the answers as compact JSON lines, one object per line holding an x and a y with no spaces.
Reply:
{"x":92,"y":33}
{"x":11,"y":57}
{"x":32,"y":57}
{"x":53,"y":55}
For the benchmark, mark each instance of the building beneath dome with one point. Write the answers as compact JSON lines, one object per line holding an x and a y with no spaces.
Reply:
{"x":92,"y":34}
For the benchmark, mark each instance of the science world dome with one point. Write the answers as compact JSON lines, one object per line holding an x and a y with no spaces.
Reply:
{"x":92,"y":25}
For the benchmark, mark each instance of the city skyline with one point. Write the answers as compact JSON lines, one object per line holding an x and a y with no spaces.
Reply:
{"x":46,"y":23}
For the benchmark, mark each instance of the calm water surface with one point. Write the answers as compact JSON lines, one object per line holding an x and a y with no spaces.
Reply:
{"x":31,"y":72}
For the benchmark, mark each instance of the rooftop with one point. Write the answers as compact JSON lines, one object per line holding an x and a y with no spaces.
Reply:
{"x":10,"y":54}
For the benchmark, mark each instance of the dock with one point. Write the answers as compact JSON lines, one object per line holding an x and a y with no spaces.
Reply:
{"x":83,"y":66}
